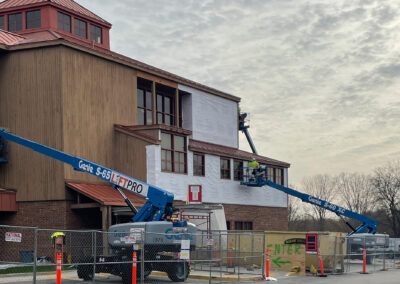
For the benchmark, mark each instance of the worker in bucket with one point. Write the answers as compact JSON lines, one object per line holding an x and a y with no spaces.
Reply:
{"x":254,"y":165}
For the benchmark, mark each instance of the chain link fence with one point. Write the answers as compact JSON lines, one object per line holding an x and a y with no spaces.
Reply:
{"x":27,"y":255}
{"x":346,"y":254}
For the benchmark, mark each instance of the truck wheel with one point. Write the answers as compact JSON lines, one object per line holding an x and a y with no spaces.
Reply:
{"x":85,"y":272}
{"x":126,"y":273}
{"x":178,"y":272}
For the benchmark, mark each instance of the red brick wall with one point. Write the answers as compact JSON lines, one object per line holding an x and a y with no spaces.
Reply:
{"x":263,"y":218}
{"x":52,"y":215}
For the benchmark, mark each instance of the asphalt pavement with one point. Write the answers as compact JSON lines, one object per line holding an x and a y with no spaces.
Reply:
{"x":69,"y":277}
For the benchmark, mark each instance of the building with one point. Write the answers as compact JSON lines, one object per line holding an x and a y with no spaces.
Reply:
{"x":62,"y":86}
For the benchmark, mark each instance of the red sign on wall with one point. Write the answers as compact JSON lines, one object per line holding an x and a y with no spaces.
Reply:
{"x":194,"y":194}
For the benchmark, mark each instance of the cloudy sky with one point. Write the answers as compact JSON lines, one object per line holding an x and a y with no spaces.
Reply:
{"x":320,"y":79}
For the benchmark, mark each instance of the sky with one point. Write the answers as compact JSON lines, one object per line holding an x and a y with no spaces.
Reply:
{"x":320,"y":79}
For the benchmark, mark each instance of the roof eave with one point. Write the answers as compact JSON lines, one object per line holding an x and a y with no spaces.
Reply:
{"x":120,"y":59}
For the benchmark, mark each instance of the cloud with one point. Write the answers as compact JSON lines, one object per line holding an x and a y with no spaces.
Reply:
{"x":320,"y":78}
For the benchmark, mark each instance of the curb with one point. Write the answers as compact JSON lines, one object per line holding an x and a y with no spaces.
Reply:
{"x":207,"y":277}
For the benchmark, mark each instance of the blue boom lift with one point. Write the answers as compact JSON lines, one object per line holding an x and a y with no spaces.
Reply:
{"x":162,"y":237}
{"x":258,"y":180}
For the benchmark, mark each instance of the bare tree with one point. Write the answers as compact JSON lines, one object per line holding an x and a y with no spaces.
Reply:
{"x":386,"y":182}
{"x":356,"y":192}
{"x":293,"y":208}
{"x":322,"y":187}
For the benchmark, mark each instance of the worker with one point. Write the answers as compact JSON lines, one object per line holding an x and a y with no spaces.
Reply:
{"x":254,"y":164}
{"x":58,"y":242}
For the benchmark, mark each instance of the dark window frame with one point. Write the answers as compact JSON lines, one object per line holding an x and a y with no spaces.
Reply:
{"x":224,"y":170}
{"x":200,"y":166}
{"x":35,"y":22}
{"x":238,"y":172}
{"x":64,"y":22}
{"x":15,"y":21}
{"x":243,"y":225}
{"x":173,"y":152}
{"x":163,"y":113}
{"x":96,"y":32}
{"x":2,"y":22}
{"x":78,"y":28}
{"x":279,"y":177}
{"x":145,"y":86}
{"x":271,"y":173}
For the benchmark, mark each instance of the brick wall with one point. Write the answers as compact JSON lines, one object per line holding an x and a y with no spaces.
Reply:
{"x":263,"y":218}
{"x":52,"y":215}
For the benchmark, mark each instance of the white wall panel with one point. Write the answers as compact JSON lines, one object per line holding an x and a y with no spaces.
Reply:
{"x":215,"y":189}
{"x":211,"y":118}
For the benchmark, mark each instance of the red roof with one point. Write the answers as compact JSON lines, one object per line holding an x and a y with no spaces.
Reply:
{"x":69,"y":4}
{"x":105,"y":194}
{"x":210,"y":148}
{"x":10,"y":38}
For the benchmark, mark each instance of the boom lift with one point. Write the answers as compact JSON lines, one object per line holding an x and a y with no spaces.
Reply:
{"x":162,"y":237}
{"x":259,"y":180}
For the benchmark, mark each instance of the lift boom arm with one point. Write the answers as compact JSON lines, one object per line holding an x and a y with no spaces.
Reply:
{"x":367,"y":223}
{"x":159,"y":202}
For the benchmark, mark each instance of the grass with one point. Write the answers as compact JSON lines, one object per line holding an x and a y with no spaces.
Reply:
{"x":27,"y":269}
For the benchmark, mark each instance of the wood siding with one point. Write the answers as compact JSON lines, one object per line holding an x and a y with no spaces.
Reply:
{"x":130,"y":156}
{"x":30,"y":96}
{"x":96,"y":94}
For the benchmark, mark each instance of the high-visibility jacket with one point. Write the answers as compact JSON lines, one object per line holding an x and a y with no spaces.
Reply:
{"x":254,"y":165}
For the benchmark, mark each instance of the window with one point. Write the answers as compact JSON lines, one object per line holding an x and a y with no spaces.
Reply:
{"x":95,"y":34}
{"x":239,"y":225}
{"x":145,"y":102}
{"x":173,"y":153}
{"x":228,"y":225}
{"x":237,"y":170}
{"x":198,"y":164}
{"x":270,"y":174}
{"x":279,"y":176}
{"x":33,"y":19}
{"x":165,"y":109}
{"x":311,"y":242}
{"x":64,"y":22}
{"x":225,"y":168}
{"x":80,"y":28}
{"x":1,"y":22}
{"x":15,"y":22}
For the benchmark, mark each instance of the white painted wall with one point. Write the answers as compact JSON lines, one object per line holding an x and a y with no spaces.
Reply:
{"x":215,"y":189}
{"x":211,"y":118}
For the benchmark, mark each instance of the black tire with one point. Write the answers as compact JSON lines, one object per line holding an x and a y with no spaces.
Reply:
{"x":178,"y":271}
{"x":126,"y":273}
{"x":85,"y":272}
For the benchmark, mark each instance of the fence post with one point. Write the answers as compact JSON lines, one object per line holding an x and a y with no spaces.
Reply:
{"x":58,"y":268}
{"x":94,"y":246}
{"x":216,"y":254}
{"x":334,"y":257}
{"x":142,"y":260}
{"x":384,"y":259}
{"x":35,"y":254}
{"x":237,"y":257}
{"x":262,"y":252}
